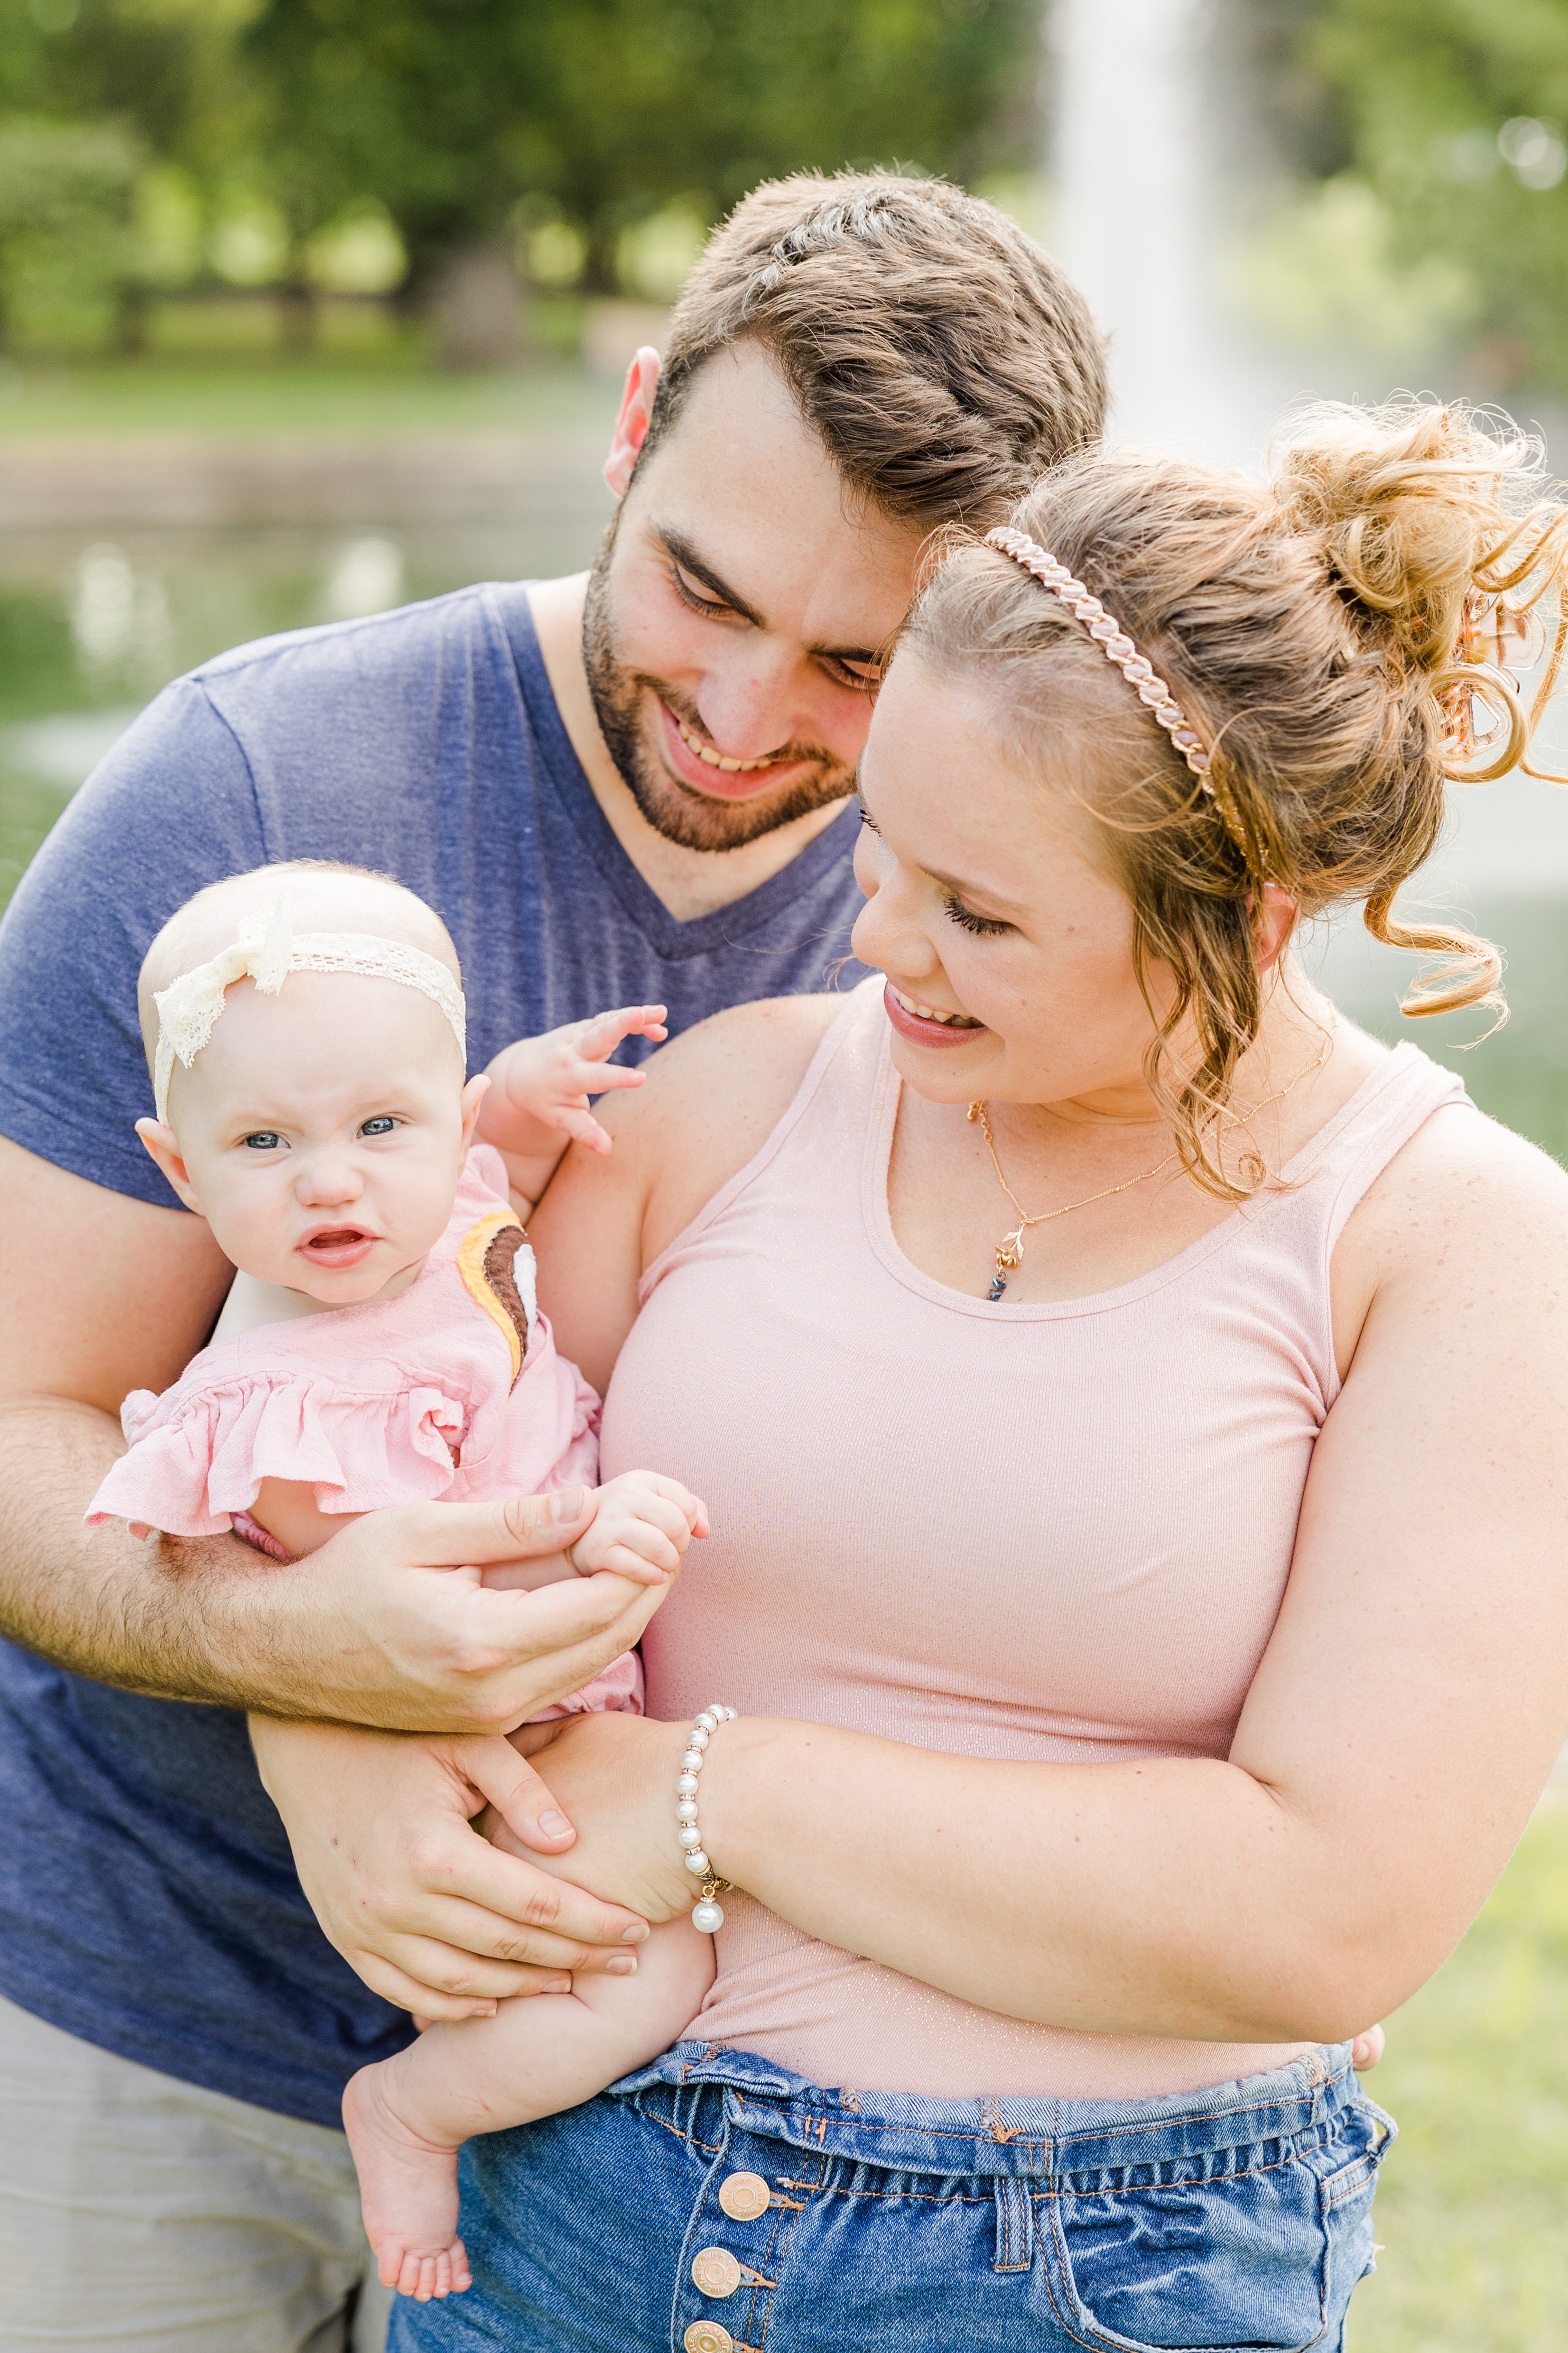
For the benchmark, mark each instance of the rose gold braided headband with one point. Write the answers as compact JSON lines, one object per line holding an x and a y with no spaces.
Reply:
{"x":1119,"y":651}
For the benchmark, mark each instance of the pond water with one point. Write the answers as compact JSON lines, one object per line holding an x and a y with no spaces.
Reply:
{"x":91,"y":629}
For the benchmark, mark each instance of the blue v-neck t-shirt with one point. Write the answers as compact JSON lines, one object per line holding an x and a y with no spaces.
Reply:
{"x":148,"y":1902}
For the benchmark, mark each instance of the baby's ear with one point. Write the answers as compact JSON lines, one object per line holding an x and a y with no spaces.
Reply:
{"x":474,"y":1094}
{"x":165,"y":1146}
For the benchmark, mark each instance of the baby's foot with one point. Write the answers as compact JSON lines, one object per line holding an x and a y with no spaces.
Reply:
{"x":409,"y":2188}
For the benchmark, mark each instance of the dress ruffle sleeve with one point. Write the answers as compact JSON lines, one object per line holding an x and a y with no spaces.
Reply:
{"x":199,"y":1456}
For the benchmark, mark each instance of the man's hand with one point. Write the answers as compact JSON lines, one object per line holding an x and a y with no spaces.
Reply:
{"x":425,"y":1911}
{"x":402,"y":1630}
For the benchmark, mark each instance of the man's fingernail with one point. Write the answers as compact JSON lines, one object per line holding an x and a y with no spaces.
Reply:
{"x":566,"y":1505}
{"x":554,"y":1825}
{"x":621,"y":1965}
{"x":637,"y":1933}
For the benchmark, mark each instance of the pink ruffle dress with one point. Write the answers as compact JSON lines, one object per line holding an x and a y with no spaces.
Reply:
{"x":451,"y":1392}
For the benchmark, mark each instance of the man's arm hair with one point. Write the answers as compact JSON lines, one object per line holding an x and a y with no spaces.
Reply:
{"x":101,"y":1294}
{"x":384,"y":1626}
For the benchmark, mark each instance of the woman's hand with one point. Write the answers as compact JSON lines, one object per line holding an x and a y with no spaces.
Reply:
{"x":427,"y":1910}
{"x":615,"y":1775}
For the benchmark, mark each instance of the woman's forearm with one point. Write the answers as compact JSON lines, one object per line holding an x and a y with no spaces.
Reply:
{"x":1166,"y":1897}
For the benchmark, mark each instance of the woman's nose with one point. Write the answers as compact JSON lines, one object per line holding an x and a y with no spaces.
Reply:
{"x":888,"y":935}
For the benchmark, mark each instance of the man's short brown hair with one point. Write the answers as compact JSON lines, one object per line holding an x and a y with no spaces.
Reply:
{"x":942,"y":358}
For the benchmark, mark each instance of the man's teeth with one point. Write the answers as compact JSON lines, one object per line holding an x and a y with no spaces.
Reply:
{"x":717,"y":759}
{"x":934,"y":1013}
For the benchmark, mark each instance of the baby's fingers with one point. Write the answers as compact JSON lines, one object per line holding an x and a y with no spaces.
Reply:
{"x":627,"y":1563}
{"x":608,"y":1546}
{"x":582,"y":1127}
{"x":598,"y":1078}
{"x":605,"y":1031}
{"x":692,"y":1508}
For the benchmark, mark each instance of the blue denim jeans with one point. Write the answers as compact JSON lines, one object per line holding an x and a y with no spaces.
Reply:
{"x":1240,"y":2216}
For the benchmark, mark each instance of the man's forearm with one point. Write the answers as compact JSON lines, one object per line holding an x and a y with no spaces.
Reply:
{"x":390,"y":1625}
{"x":203,"y":1619}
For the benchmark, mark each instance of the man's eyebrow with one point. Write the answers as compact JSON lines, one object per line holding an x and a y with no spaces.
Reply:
{"x":676,"y":543}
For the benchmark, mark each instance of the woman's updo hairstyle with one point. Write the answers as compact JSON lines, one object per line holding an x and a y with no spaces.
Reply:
{"x":1343,"y":639}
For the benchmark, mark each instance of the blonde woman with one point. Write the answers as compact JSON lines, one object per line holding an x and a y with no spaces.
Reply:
{"x":1133,"y":1409}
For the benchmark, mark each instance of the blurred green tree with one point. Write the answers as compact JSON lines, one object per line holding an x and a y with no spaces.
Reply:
{"x":65,"y":197}
{"x":452,"y":113}
{"x":158,"y":77}
{"x":1455,"y":114}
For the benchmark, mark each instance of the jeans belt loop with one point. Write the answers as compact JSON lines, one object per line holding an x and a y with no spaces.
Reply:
{"x":1014,"y":2224}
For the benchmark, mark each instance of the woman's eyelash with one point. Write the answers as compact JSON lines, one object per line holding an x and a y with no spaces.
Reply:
{"x":987,"y":926}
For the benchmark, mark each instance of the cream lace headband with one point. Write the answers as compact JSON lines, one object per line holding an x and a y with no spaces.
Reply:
{"x":266,"y":952}
{"x":1119,"y":650}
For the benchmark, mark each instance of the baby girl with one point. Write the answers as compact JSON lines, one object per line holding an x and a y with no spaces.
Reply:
{"x":381,"y":1346}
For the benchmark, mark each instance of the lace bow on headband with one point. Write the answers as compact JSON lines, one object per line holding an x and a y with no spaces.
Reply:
{"x":266,"y":952}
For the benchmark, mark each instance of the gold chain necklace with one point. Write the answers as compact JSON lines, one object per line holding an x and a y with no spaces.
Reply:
{"x":1010,"y":1249}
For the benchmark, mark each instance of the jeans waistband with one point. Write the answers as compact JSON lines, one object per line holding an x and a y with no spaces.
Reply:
{"x":1209,"y":2130}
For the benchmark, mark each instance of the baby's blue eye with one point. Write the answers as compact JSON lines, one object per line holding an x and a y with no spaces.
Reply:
{"x":383,"y":1125}
{"x":264,"y":1140}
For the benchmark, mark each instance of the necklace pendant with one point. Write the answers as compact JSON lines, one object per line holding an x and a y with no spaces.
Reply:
{"x":998,"y":1285}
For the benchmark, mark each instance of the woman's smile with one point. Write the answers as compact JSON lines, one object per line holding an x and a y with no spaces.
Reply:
{"x":927,"y":1025}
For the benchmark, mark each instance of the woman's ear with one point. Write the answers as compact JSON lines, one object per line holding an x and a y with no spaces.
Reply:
{"x":474,"y":1094}
{"x":636,"y":415}
{"x":165,"y":1146}
{"x":1273,"y":923}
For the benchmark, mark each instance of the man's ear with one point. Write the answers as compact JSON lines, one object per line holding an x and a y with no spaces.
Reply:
{"x":1273,"y":924}
{"x":474,"y":1094}
{"x":632,"y":424}
{"x":165,"y":1146}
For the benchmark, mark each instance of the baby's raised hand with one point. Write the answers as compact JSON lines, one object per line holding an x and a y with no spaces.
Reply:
{"x":545,"y":1082}
{"x":641,"y":1528}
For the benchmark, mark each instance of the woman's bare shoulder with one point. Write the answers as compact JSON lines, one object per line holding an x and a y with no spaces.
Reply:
{"x":1462,"y":1171}
{"x":714,"y":1096}
{"x":709,"y":1099}
{"x":1468,"y":1221}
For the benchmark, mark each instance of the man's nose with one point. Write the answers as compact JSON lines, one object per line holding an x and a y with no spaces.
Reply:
{"x":756,"y":703}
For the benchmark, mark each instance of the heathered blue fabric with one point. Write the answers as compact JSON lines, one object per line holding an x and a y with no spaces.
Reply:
{"x":148,"y":1902}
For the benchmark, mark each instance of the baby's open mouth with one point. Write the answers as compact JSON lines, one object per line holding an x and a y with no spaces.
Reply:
{"x":339,"y":1245}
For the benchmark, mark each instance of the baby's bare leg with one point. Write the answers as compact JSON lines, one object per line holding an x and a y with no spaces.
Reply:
{"x":407,"y":2116}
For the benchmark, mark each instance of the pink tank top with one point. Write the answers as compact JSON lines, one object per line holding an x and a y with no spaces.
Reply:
{"x":1054,"y":1531}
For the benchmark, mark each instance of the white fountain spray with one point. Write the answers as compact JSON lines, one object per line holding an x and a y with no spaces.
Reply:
{"x":1136,"y":221}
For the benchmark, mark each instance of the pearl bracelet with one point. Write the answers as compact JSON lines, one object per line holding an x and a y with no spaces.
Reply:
{"x":706,"y":1913}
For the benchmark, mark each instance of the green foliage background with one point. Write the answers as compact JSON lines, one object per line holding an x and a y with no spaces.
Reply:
{"x":464,"y":120}
{"x":1404,"y":100}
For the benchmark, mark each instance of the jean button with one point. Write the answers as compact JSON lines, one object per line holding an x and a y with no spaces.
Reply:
{"x":715,"y":2272}
{"x":707,"y":2337}
{"x":744,"y":2196}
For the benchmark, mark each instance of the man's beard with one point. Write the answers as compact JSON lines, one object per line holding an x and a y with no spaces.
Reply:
{"x":673,"y":808}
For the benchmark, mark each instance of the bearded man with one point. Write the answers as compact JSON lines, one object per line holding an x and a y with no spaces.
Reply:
{"x":632,"y":786}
